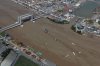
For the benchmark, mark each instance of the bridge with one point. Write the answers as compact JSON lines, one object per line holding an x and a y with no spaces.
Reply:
{"x":34,"y":8}
{"x":20,"y":21}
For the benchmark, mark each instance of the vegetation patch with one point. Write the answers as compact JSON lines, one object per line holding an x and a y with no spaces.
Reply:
{"x":99,"y":22}
{"x":2,"y":33}
{"x":23,"y":61}
{"x":59,"y":21}
{"x":73,"y":28}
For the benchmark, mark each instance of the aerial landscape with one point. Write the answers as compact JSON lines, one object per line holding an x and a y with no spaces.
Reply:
{"x":49,"y":32}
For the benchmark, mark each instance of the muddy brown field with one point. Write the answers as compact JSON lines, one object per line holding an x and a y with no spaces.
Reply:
{"x":60,"y":45}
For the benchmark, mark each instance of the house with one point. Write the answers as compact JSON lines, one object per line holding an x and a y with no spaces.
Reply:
{"x":68,"y":16}
{"x":69,"y":1}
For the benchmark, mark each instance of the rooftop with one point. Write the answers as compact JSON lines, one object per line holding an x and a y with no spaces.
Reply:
{"x":9,"y":60}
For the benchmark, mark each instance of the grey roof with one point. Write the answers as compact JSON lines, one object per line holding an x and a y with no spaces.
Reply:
{"x":2,"y":48}
{"x":1,"y":45}
{"x":10,"y":59}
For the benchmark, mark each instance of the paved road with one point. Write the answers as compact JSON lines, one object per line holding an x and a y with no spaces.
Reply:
{"x":18,"y":23}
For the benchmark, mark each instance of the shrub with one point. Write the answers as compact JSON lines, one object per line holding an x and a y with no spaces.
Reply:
{"x":73,"y":28}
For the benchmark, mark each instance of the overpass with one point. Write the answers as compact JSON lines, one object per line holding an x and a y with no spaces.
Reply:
{"x":27,"y":17}
{"x":20,"y":21}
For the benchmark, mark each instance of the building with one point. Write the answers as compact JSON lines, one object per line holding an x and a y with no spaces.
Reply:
{"x":2,"y":48}
{"x":70,"y":1}
{"x":10,"y":59}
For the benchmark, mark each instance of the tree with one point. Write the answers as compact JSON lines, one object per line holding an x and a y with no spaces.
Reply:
{"x":5,"y":53}
{"x":90,"y":21}
{"x":73,"y":28}
{"x":99,"y":22}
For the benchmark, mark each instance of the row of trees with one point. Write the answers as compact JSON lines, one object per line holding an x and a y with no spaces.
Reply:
{"x":59,"y":21}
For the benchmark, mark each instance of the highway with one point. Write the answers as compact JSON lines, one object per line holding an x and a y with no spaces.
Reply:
{"x":10,"y":26}
{"x":19,"y":22}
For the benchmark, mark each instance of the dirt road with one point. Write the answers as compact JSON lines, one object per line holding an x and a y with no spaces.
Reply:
{"x":60,"y":44}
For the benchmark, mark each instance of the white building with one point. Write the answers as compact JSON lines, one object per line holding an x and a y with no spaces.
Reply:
{"x":68,"y":16}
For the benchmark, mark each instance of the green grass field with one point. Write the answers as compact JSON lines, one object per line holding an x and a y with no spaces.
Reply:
{"x":23,"y":61}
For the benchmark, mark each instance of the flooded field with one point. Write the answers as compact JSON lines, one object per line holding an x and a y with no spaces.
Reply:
{"x":60,"y":45}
